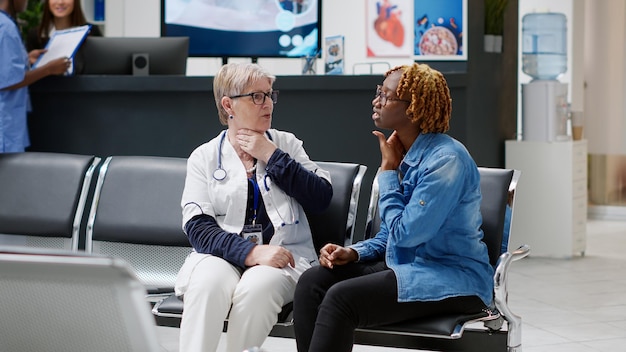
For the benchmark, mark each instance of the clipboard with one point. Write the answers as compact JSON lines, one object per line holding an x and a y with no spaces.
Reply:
{"x":63,"y":43}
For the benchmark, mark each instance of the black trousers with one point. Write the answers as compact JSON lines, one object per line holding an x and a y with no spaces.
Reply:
{"x":329,"y":304}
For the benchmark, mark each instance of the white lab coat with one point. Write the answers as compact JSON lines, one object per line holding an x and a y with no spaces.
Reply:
{"x":210,"y":285}
{"x":226,"y":200}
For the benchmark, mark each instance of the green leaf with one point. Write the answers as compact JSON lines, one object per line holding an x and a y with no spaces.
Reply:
{"x":494,"y":16}
{"x":30,"y":18}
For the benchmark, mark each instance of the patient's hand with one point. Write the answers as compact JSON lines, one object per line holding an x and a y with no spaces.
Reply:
{"x":332,"y":254}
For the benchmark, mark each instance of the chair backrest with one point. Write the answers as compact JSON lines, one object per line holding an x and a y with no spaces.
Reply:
{"x":42,"y":198}
{"x":497,"y":187}
{"x":73,"y":302}
{"x":336,"y":224}
{"x":136,"y":215}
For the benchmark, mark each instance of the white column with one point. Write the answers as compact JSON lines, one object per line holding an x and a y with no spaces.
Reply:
{"x":114,"y":12}
{"x":605,"y":76}
{"x":145,"y":19}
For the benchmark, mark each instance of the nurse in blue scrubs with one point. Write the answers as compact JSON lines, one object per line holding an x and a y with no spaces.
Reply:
{"x":15,"y":76}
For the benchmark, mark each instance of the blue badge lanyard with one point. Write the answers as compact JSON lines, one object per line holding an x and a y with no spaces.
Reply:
{"x":256,"y":198}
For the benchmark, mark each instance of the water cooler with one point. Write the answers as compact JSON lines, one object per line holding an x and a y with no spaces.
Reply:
{"x":545,"y":110}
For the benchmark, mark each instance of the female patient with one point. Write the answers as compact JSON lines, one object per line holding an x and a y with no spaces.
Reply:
{"x":243,"y":212}
{"x":428,"y":257}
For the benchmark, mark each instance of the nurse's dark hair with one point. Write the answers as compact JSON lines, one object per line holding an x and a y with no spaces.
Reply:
{"x":428,"y":92}
{"x":77,"y":18}
{"x":11,"y":8}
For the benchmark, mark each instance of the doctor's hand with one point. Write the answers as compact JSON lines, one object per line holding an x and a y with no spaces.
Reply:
{"x":275,"y":256}
{"x":332,"y":254}
{"x":256,"y":144}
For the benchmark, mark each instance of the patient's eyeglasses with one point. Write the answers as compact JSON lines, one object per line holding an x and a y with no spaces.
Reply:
{"x":383,"y":97}
{"x":258,"y":98}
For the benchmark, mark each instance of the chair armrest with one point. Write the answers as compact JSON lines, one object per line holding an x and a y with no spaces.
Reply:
{"x":170,"y":306}
{"x":500,"y":280}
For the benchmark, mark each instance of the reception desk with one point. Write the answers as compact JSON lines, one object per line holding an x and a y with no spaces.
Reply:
{"x":171,"y":115}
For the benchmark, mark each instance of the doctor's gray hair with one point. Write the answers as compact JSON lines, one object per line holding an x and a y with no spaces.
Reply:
{"x":232,"y":79}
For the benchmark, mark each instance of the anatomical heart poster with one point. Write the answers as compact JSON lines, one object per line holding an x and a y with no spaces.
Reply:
{"x":389,"y":28}
{"x":440,"y":29}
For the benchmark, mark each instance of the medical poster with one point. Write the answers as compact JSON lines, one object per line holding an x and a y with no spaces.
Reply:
{"x":334,"y":64}
{"x":440,"y":30}
{"x":389,"y":28}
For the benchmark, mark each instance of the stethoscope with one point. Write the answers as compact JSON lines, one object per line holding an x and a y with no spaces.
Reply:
{"x":220,"y":174}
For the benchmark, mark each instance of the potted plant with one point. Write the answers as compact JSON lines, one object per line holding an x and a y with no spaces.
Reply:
{"x":30,"y":18}
{"x":494,"y":24}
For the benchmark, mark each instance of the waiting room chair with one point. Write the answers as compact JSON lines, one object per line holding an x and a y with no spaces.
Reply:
{"x":136,"y":215}
{"x":335,"y":224}
{"x":460,"y":332}
{"x":42,"y":198}
{"x":57,"y":300}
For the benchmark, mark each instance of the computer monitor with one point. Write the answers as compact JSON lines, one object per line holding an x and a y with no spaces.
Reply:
{"x":134,"y":56}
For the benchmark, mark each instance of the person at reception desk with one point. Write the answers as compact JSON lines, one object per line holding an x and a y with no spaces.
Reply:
{"x":428,"y":256}
{"x":243,"y":212}
{"x":15,"y":76}
{"x":59,"y":15}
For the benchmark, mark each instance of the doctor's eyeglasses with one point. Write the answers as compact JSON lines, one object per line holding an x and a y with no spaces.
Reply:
{"x":383,"y":97}
{"x":258,"y":98}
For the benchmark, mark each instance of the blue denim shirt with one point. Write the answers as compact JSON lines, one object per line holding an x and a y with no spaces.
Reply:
{"x":430,"y":232}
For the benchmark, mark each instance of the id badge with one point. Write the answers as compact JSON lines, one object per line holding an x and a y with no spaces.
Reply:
{"x":253,"y":233}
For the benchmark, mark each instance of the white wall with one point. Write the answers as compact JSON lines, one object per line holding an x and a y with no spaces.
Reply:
{"x":574,"y":12}
{"x":596,"y":67}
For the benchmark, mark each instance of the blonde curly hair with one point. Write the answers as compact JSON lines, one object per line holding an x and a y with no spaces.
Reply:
{"x":430,"y":105}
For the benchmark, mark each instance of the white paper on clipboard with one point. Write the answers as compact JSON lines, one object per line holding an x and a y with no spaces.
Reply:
{"x":63,"y":43}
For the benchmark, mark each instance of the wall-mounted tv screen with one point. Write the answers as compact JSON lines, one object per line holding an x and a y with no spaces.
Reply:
{"x":245,"y":28}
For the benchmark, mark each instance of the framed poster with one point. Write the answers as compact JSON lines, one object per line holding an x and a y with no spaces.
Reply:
{"x":440,"y":30}
{"x":334,"y":64}
{"x":389,"y":27}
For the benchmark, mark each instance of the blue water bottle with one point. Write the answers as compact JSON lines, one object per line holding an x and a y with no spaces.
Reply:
{"x":98,"y":10}
{"x":544,"y":45}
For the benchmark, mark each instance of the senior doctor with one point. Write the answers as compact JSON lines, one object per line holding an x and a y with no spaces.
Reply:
{"x":243,"y":211}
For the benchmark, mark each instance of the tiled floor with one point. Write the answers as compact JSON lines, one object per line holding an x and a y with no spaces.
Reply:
{"x":573,"y":305}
